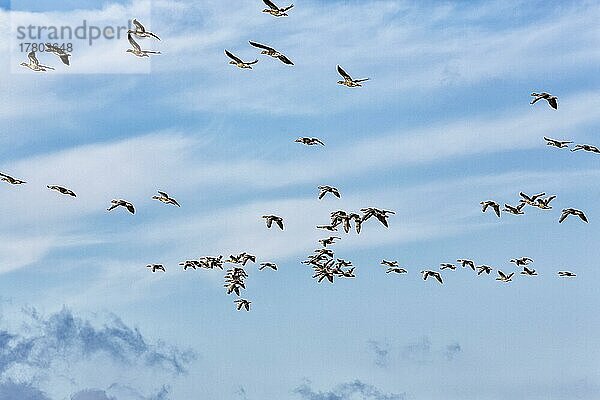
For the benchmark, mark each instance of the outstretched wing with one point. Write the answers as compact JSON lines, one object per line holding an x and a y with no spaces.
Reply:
{"x":288,"y":8}
{"x":130,"y":208}
{"x":133,"y":43}
{"x":271,"y":5}
{"x":285,"y":60}
{"x":280,"y":223}
{"x":163,"y":194}
{"x":260,"y":46}
{"x":563,"y":217}
{"x":343,"y":73}
{"x":439,"y":278}
{"x":582,"y":216}
{"x":32,"y":58}
{"x":553,"y":102}
{"x":233,"y":57}
{"x":138,"y":25}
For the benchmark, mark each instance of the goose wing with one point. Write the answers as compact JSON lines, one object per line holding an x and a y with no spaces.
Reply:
{"x":280,"y":223}
{"x":133,"y":43}
{"x":285,"y":60}
{"x":163,"y":194}
{"x":260,"y":46}
{"x":553,"y":101}
{"x":233,"y":57}
{"x":32,"y":58}
{"x":343,"y":73}
{"x":271,"y":5}
{"x":130,"y":207}
{"x":563,"y":216}
{"x":138,"y":25}
{"x":581,"y":215}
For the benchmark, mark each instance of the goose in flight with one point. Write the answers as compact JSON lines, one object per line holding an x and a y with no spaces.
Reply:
{"x":566,"y":274}
{"x":276,"y":11}
{"x":209,"y":262}
{"x":572,"y":211}
{"x":484,"y":269}
{"x":63,"y":55}
{"x":140,"y":31}
{"x":381,"y":215}
{"x":490,"y":203}
{"x":340,"y":262}
{"x":136,"y":50}
{"x":121,"y":203}
{"x":243,"y":303}
{"x":156,"y":267}
{"x":269,"y":51}
{"x":34,"y":64}
{"x":502,"y":277}
{"x":466,"y":263}
{"x":389,"y":263}
{"x":235,"y":60}
{"x":348,"y":81}
{"x":346,"y":274}
{"x":560,"y":144}
{"x":10,"y":179}
{"x":518,"y":210}
{"x":552,"y":100}
{"x":528,"y":272}
{"x":62,"y":190}
{"x":194,"y":264}
{"x":530,"y":200}
{"x":310,"y":141}
{"x":242,"y":258}
{"x":434,"y":274}
{"x":396,"y":270}
{"x":273,"y":218}
{"x":330,"y":228}
{"x":329,"y":241}
{"x":520,"y":262}
{"x":165,"y":198}
{"x":586,"y":147}
{"x":544,"y":204}
{"x":449,"y":266}
{"x":268,"y":265}
{"x":324,"y":189}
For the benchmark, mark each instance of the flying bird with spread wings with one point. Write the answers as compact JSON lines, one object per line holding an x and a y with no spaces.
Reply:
{"x":121,"y":203}
{"x":348,"y":80}
{"x":166,"y":199}
{"x":62,"y":190}
{"x":10,"y":179}
{"x":485,"y":205}
{"x":552,"y":100}
{"x":271,"y":52}
{"x":559,"y":144}
{"x":136,"y":50}
{"x":269,"y":219}
{"x":310,"y":141}
{"x":140,"y":31}
{"x":34,"y":63}
{"x":572,"y":211}
{"x":276,"y":11}
{"x":238,"y":62}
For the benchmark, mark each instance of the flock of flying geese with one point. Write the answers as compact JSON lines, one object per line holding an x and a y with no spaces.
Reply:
{"x":323,"y":261}
{"x":140,"y":31}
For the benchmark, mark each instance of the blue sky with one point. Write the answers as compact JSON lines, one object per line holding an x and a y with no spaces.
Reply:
{"x":443,"y":124}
